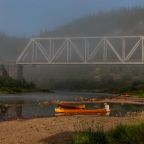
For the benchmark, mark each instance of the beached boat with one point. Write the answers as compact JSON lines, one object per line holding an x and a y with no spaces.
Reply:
{"x":80,"y":111}
{"x":71,"y":106}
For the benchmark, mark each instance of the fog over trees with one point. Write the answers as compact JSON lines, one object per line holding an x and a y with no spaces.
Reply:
{"x":125,"y":21}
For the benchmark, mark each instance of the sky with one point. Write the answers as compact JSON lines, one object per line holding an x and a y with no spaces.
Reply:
{"x":29,"y":17}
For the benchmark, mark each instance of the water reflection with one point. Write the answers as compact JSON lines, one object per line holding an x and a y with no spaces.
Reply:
{"x":18,"y":110}
{"x":24,"y":110}
{"x":4,"y":111}
{"x":10,"y":111}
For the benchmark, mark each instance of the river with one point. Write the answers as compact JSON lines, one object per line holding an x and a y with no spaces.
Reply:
{"x":56,"y":96}
{"x":31,"y":105}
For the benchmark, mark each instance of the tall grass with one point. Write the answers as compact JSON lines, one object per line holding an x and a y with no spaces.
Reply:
{"x":90,"y":137}
{"x":127,"y":134}
{"x":122,"y":134}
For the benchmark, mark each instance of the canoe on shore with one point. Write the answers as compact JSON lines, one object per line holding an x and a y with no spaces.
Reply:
{"x":80,"y":111}
{"x":71,"y":106}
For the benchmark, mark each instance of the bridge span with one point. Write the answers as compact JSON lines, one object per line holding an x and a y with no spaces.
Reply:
{"x":84,"y":50}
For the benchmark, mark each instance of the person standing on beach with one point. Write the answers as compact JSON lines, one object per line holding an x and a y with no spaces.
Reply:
{"x":107,"y":108}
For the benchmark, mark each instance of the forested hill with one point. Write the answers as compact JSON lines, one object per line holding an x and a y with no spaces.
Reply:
{"x":125,"y":21}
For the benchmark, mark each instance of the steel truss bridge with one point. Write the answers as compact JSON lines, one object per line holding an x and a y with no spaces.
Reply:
{"x":84,"y":50}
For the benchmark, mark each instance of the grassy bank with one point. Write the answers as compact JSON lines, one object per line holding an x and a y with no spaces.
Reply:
{"x":122,"y":134}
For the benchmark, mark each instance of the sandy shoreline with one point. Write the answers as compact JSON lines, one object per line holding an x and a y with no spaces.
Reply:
{"x":54,"y":130}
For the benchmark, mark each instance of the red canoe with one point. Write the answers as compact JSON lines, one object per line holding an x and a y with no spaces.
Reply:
{"x":71,"y":106}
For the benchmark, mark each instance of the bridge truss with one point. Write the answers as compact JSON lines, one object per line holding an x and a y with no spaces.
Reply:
{"x":84,"y":50}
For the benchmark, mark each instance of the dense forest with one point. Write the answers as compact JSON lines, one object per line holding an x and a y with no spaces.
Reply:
{"x":125,"y":21}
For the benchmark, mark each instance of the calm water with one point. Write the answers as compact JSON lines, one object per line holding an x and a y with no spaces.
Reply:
{"x":40,"y":97}
{"x":33,"y":104}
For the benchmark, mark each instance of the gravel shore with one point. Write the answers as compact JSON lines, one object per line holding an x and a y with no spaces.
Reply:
{"x":54,"y":130}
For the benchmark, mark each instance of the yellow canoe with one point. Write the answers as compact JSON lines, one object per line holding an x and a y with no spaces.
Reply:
{"x":80,"y":111}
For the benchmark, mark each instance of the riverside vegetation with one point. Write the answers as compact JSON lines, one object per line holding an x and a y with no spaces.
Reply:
{"x":9,"y":85}
{"x":122,"y":134}
{"x":136,"y":88}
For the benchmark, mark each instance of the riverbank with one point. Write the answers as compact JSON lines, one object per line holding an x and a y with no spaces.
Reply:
{"x":56,"y":130}
{"x":123,"y":100}
{"x":113,"y":99}
{"x":23,"y":90}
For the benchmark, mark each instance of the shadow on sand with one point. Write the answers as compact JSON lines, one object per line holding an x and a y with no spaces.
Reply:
{"x":60,"y":138}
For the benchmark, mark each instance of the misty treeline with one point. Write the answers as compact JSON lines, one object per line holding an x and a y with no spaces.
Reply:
{"x":10,"y":85}
{"x":125,"y":21}
{"x":101,"y":78}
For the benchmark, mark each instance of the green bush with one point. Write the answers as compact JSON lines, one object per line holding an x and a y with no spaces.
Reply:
{"x":90,"y":137}
{"x":122,"y":134}
{"x":9,"y":85}
{"x":119,"y":135}
{"x":127,"y":134}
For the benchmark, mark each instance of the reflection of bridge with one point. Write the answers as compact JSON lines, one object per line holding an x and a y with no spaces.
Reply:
{"x":84,"y":50}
